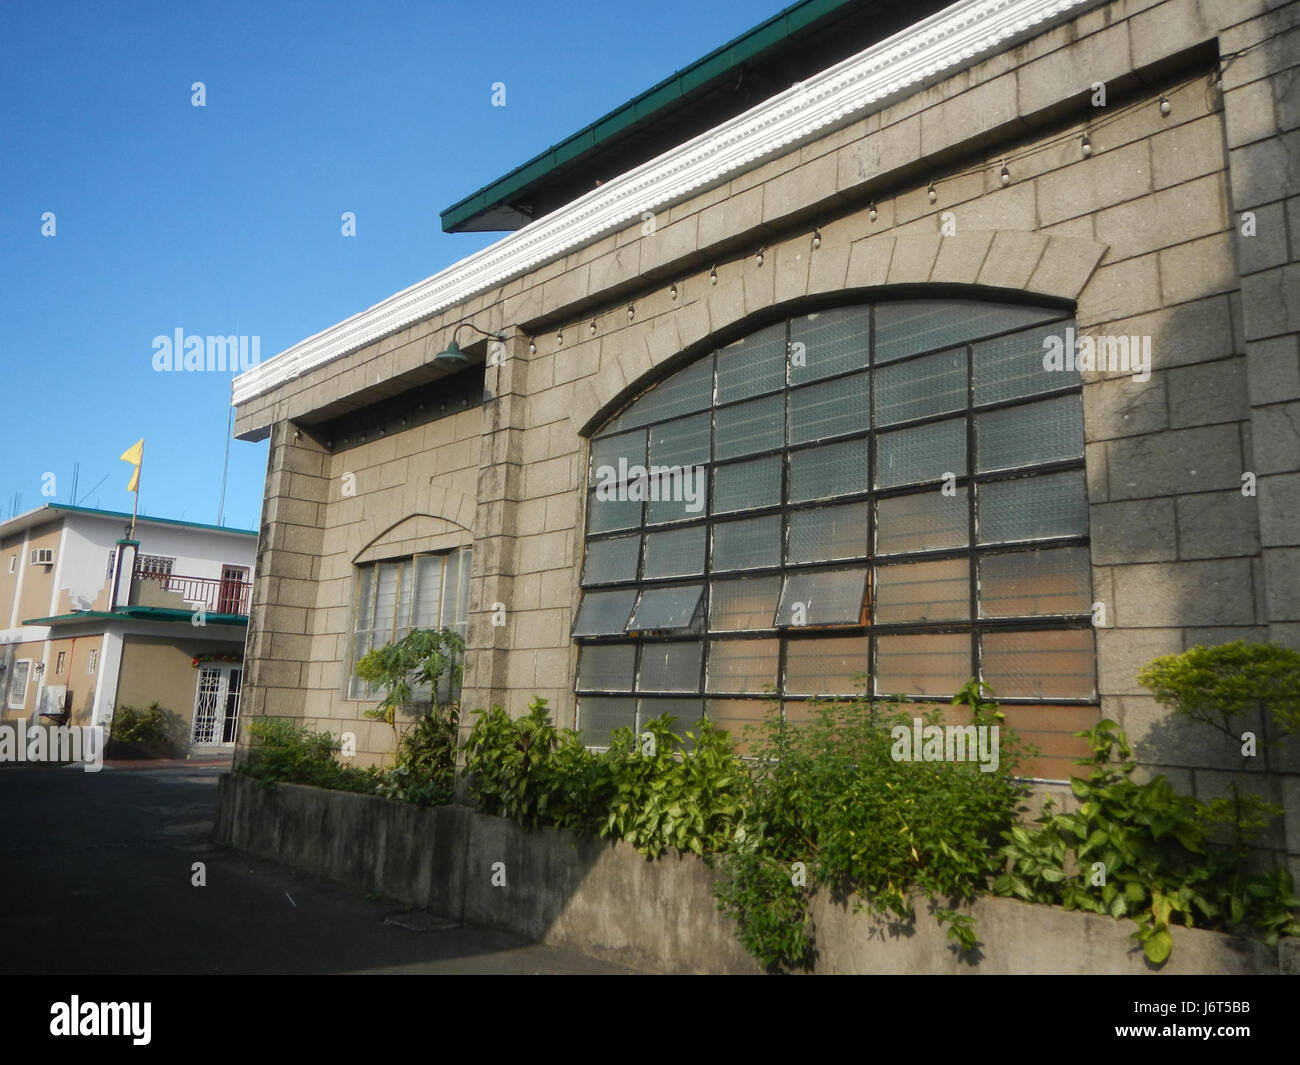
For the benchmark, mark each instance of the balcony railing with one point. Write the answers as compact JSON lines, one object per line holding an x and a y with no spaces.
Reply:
{"x":218,"y":595}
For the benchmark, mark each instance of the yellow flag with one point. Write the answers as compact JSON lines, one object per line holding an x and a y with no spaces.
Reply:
{"x":135,"y":456}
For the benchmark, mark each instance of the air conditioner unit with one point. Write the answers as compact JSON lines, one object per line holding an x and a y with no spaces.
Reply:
{"x":42,"y":556}
{"x":53,"y":701}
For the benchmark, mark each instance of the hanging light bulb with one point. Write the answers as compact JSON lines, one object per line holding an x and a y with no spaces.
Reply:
{"x":1005,"y":176}
{"x":559,"y":338}
{"x":817,"y":237}
{"x":759,"y":257}
{"x":1165,"y":107}
{"x":871,"y":212}
{"x":631,"y":312}
{"x":532,"y":346}
{"x":673,"y":290}
{"x":593,"y":327}
{"x":932,"y":192}
{"x":713,"y":275}
{"x":1086,"y":146}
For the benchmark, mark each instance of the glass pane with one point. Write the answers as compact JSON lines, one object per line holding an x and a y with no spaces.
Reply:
{"x":1039,"y":665}
{"x":455,"y":578}
{"x":606,"y":451}
{"x":1012,"y":366}
{"x":743,"y":665}
{"x":684,"y":442}
{"x":747,"y":603}
{"x":833,"y":342}
{"x":679,"y":553}
{"x":934,"y":384}
{"x":386,"y":601}
{"x":741,"y":718}
{"x":923,"y":521}
{"x":365,"y":598}
{"x":677,"y":496}
{"x":670,"y":667}
{"x":684,"y":392}
{"x":747,"y":485}
{"x":1031,"y":508}
{"x":824,"y":597}
{"x":428,"y":591}
{"x":752,"y":365}
{"x":666,"y":608}
{"x":910,"y":326}
{"x":831,"y":665}
{"x":604,"y":613}
{"x":608,"y":514}
{"x":819,"y":412}
{"x":932,"y":664}
{"x":828,"y":533}
{"x":1036,"y":432}
{"x":747,"y":544}
{"x":687,"y":712}
{"x":829,"y":470}
{"x":1032,"y":583}
{"x":607,"y":667}
{"x":923,"y":591}
{"x":611,"y":560}
{"x":926,"y":453}
{"x":598,"y":717}
{"x":749,"y":427}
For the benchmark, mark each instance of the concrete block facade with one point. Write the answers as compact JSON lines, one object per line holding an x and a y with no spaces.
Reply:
{"x":1167,"y":213}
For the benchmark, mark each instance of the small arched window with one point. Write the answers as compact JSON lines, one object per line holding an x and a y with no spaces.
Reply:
{"x":893,"y":491}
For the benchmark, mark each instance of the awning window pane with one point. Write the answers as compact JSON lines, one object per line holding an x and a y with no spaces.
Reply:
{"x":923,"y":591}
{"x":906,"y":327}
{"x":743,"y":666}
{"x":835,"y":408}
{"x":920,"y":455}
{"x":604,"y":613}
{"x":829,"y":470}
{"x":599,"y":716}
{"x":1035,"y":583}
{"x":752,"y":365}
{"x":682,"y":495}
{"x":1039,"y":665}
{"x":608,"y":515}
{"x":747,"y":485}
{"x":930,"y":664}
{"x":749,"y":427}
{"x":833,"y":342}
{"x":676,"y":553}
{"x":670,"y":667}
{"x":607,"y":667}
{"x":923,"y":521}
{"x":747,"y":544}
{"x":606,"y":451}
{"x":919,"y":388}
{"x":745,"y":603}
{"x":827,"y":666}
{"x":823,"y":597}
{"x":611,"y":560}
{"x":684,"y":392}
{"x":828,"y":533}
{"x":684,"y":442}
{"x":1012,"y":366}
{"x":1033,"y":508}
{"x":742,"y":719}
{"x":666,"y":608}
{"x":687,"y":711}
{"x":1022,"y":436}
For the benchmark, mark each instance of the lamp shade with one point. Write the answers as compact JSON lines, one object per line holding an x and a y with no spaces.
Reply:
{"x":451,"y":359}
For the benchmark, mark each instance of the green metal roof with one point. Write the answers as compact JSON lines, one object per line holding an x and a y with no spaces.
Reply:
{"x":149,"y":518}
{"x":138,"y":613}
{"x":801,"y":40}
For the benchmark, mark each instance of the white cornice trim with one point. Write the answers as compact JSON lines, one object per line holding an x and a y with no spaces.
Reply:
{"x":936,"y":47}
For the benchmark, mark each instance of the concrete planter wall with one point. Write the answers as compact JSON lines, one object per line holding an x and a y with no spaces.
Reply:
{"x":609,"y":902}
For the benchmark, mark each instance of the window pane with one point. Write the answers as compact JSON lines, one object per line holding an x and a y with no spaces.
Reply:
{"x":934,"y":384}
{"x":679,"y":553}
{"x":606,"y":515}
{"x":666,"y":608}
{"x":607,"y":667}
{"x":684,"y":392}
{"x":687,"y":712}
{"x":749,"y":427}
{"x":1039,"y":665}
{"x":1032,"y":583}
{"x":428,"y":591}
{"x":1037,"y":432}
{"x":819,"y":412}
{"x":824,"y":597}
{"x":455,"y":581}
{"x":747,"y":544}
{"x":670,"y":667}
{"x":743,"y":665}
{"x":604,"y":613}
{"x":923,"y":591}
{"x":365,"y":598}
{"x":752,"y":365}
{"x":682,"y":494}
{"x":829,"y":470}
{"x":833,"y":342}
{"x":828,"y":533}
{"x":910,"y":326}
{"x":684,"y":442}
{"x":1012,"y":366}
{"x":747,"y":485}
{"x":607,"y":450}
{"x":1031,"y":508}
{"x":923,"y":521}
{"x":386,"y":601}
{"x":747,"y":603}
{"x":926,"y":453}
{"x":825,"y":665}
{"x":741,"y":719}
{"x":598,"y":717}
{"x":611,"y":560}
{"x":932,"y":664}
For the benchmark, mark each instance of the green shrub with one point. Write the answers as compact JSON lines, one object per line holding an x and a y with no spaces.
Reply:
{"x":284,"y":751}
{"x":152,"y":725}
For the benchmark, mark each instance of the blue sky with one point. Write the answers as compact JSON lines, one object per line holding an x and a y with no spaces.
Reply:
{"x":225,"y":219}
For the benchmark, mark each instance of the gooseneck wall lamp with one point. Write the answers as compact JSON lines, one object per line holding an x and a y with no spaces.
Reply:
{"x":453,"y":358}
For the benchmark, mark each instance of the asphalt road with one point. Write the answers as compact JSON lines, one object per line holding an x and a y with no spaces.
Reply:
{"x":96,"y":875}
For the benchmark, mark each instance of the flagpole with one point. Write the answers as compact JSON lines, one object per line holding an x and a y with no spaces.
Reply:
{"x":135,"y":506}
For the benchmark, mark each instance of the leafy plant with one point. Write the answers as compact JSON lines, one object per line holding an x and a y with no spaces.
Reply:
{"x":284,"y":751}
{"x":422,"y":658}
{"x":152,"y":725}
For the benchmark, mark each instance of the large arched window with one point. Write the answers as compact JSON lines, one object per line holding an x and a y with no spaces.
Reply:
{"x":893,"y":490}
